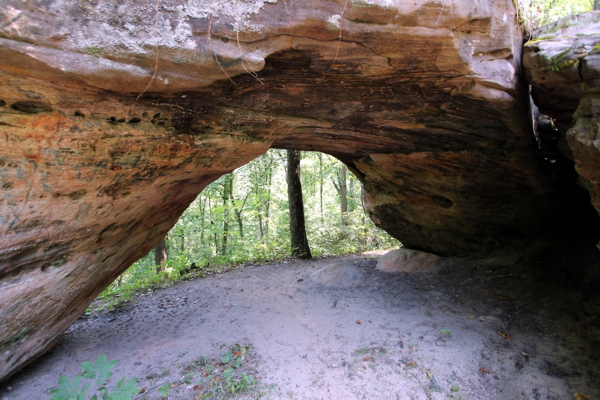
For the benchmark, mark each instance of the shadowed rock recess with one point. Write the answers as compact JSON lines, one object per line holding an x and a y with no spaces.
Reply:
{"x":422,"y":100}
{"x":562,"y":63}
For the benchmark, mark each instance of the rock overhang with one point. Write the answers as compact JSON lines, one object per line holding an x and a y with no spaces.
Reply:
{"x":423,"y":101}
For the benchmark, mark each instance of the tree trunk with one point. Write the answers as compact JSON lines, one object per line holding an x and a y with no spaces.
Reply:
{"x":343,"y":191}
{"x":297,"y":225}
{"x":160,"y":254}
{"x":226,"y":196}
{"x":596,"y":4}
{"x":321,"y":186}
{"x":342,"y":188}
{"x":351,"y":194}
{"x":203,"y":207}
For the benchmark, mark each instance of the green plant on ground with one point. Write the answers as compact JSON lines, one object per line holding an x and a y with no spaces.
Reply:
{"x":164,"y":390}
{"x":219,"y":377}
{"x":448,"y":332}
{"x":99,"y":374}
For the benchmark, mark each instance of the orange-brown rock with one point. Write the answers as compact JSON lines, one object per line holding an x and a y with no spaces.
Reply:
{"x":422,"y":100}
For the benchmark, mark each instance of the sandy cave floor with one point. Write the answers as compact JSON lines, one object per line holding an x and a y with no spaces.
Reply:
{"x":460,"y":330}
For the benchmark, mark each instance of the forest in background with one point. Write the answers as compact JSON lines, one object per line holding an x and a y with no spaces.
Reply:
{"x":244,"y":216}
{"x":537,"y":13}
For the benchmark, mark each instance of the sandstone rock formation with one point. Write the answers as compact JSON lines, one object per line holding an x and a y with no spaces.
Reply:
{"x":115,"y":115}
{"x":562,"y":63}
{"x":406,"y":260}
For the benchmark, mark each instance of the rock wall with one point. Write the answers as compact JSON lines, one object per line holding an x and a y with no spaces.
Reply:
{"x":562,"y":63}
{"x":115,"y":115}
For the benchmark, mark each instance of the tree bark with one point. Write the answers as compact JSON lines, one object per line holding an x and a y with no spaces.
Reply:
{"x":596,"y":4}
{"x":321,"y":186}
{"x":342,"y":188}
{"x":299,"y":240}
{"x":160,"y":254}
{"x":226,"y":196}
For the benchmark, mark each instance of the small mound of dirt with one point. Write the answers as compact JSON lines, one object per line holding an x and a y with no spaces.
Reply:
{"x":338,"y":274}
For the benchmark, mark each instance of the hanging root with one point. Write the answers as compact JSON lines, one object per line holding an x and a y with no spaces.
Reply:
{"x":156,"y":51}
{"x":237,"y":36}
{"x":337,"y":51}
{"x":251,"y":71}
{"x":213,"y":49}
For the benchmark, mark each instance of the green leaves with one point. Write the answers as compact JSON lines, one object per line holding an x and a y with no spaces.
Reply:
{"x":100,"y":372}
{"x":69,"y":390}
{"x":227,"y":357}
{"x":164,"y":390}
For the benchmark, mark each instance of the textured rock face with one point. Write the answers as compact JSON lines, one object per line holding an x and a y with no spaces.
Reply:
{"x":421,"y":100}
{"x":406,"y":260}
{"x":563,"y":66}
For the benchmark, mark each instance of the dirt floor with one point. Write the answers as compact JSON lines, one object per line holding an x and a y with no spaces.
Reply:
{"x":463,"y":329}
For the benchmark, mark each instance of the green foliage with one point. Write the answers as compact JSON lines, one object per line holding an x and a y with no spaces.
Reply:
{"x":232,"y":380}
{"x":99,"y":373}
{"x":448,"y":332}
{"x":243,"y":217}
{"x":536,"y":13}
{"x":561,"y":61}
{"x":164,"y":390}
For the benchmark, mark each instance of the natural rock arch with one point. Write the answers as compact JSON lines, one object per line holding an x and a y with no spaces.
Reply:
{"x":423,"y":102}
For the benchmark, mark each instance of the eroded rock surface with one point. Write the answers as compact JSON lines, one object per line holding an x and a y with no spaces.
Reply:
{"x":407,"y":260}
{"x":562,"y":63}
{"x":422,"y":100}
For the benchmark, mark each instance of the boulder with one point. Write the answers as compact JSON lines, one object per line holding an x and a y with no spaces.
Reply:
{"x":115,"y":115}
{"x":406,"y":260}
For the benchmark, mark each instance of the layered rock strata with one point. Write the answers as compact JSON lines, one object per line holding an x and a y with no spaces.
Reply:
{"x":115,"y":115}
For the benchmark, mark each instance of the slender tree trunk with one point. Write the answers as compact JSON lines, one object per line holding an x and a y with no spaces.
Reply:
{"x":260,"y":226}
{"x":321,"y":186}
{"x":160,"y":254}
{"x":342,"y":188}
{"x":596,"y":4}
{"x":343,"y":191}
{"x":297,"y":225}
{"x":226,"y":196}
{"x":351,"y":194}
{"x":202,"y":211}
{"x":268,"y":200}
{"x":213,"y":227}
{"x":238,"y":215}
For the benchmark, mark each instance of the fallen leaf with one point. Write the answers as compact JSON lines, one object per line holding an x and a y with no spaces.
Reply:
{"x":580,"y":396}
{"x":144,"y":389}
{"x":504,"y":335}
{"x":198,"y":387}
{"x":217,"y":379}
{"x":370,"y":322}
{"x":358,"y":322}
{"x":484,"y":370}
{"x":412,"y":364}
{"x":367,"y":359}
